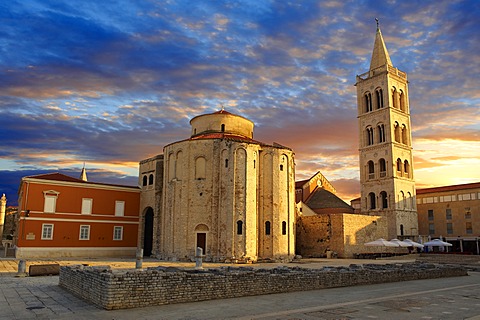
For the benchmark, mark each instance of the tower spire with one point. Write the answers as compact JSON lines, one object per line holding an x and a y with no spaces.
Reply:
{"x":380,"y":56}
{"x":83,"y":174}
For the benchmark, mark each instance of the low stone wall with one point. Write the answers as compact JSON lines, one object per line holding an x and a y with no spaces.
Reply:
{"x":156,"y":286}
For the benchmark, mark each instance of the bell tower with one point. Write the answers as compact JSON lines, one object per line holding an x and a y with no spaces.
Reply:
{"x":386,"y":161}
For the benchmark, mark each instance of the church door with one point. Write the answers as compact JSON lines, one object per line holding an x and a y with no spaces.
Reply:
{"x":202,"y":241}
{"x":148,"y":233}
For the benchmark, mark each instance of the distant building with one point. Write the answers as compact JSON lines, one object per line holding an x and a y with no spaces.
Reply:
{"x":62,"y":216}
{"x":453,"y":213}
{"x":219,"y":190}
{"x":386,"y":161}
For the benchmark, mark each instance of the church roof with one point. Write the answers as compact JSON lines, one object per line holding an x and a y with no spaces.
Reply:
{"x":380,"y":56}
{"x":323,"y":199}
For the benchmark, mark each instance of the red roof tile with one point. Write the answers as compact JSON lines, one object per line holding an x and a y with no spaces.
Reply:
{"x":56,"y":176}
{"x":456,"y":187}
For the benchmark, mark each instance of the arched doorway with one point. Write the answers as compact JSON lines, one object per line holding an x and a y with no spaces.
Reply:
{"x":148,"y":233}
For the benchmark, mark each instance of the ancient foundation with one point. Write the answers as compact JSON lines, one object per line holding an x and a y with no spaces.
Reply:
{"x":156,"y":286}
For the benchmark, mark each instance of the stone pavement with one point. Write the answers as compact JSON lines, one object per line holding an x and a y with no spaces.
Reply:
{"x":447,"y":298}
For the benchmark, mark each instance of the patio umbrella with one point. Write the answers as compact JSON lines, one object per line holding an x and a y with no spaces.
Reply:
{"x":401,"y":243}
{"x":413,"y":243}
{"x":437,"y":243}
{"x":381,"y":243}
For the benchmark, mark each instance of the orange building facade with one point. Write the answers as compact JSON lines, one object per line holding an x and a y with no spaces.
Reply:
{"x":61,"y":216}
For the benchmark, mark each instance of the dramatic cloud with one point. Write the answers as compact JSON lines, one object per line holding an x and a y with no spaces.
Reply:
{"x":111,"y":82}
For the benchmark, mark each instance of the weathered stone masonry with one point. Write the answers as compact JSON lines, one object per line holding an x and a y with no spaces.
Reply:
{"x":156,"y":286}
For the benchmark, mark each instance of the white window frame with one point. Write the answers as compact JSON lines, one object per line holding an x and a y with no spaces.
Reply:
{"x":50,"y":201}
{"x":81,"y":235}
{"x":87,"y":205}
{"x":119,"y":208}
{"x":120,"y":230}
{"x":46,"y":226}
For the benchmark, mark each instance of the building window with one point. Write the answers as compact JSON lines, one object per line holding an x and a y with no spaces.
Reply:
{"x":468,"y":228}
{"x":379,"y":96}
{"x":396,"y":131}
{"x":118,"y":233}
{"x":431,"y":228}
{"x":383,"y":196}
{"x":406,"y":168}
{"x":404,"y":135}
{"x":47,"y":231}
{"x":226,"y":163}
{"x":50,"y":203}
{"x":399,"y":166}
{"x":284,"y":227}
{"x":267,"y":228}
{"x":383,"y":168}
{"x":401,"y":230}
{"x":87,"y":206}
{"x":448,"y":214}
{"x":370,"y":140}
{"x":223,"y":128}
{"x":281,"y":167}
{"x":119,"y":208}
{"x":239,"y":227}
{"x":368,"y":102}
{"x":150,"y":179}
{"x":468,"y":214}
{"x":371,"y":198}
{"x":84,"y":232}
{"x":430,"y":215}
{"x":449,"y":228}
{"x":200,"y":165}
{"x":381,"y":133}
{"x":144,"y":181}
{"x":371,"y":170}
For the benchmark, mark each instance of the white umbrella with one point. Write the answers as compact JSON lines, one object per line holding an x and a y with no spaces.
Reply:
{"x":413,"y":243}
{"x":381,"y":243}
{"x":401,"y":243}
{"x":437,"y":243}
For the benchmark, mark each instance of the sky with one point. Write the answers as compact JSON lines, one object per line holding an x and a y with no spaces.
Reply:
{"x":109,"y":83}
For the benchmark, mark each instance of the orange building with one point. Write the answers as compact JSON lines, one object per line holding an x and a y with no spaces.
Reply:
{"x":61,"y":216}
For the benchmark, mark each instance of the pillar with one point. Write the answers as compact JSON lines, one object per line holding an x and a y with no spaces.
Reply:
{"x":3,"y":207}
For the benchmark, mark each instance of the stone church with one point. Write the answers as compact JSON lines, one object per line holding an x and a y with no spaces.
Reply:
{"x":219,"y":190}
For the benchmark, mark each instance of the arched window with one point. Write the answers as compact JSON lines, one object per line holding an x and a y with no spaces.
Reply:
{"x":401,"y":200}
{"x":404,"y":135}
{"x":223,"y":127}
{"x":381,"y":133}
{"x":150,"y":179}
{"x":284,"y":227}
{"x":399,"y":167}
{"x":410,"y":201}
{"x":226,"y":163}
{"x":401,"y":230}
{"x":239,"y":227}
{"x":397,"y":132}
{"x":394,"y":98}
{"x":267,"y":227}
{"x":371,"y":170}
{"x":379,"y":96}
{"x":370,"y":140}
{"x":200,"y":168}
{"x":406,"y":169}
{"x":144,"y":181}
{"x":383,"y":168}
{"x":368,"y":102}
{"x":372,"y":200}
{"x":401,"y":98}
{"x":384,"y":199}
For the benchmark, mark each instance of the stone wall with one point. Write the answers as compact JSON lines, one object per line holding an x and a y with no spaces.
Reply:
{"x":342,"y":233}
{"x":157,"y":286}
